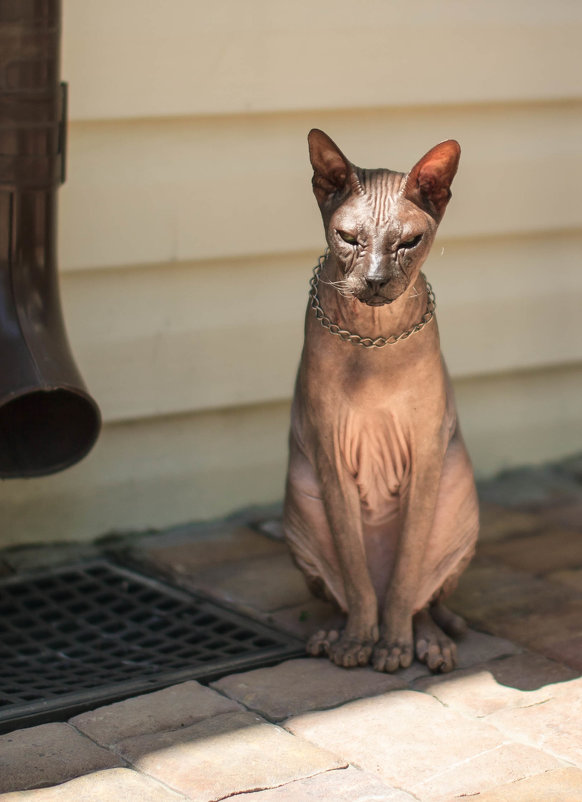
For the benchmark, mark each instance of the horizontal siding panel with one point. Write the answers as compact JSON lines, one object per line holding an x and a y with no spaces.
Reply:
{"x":144,"y":58}
{"x":167,"y":471}
{"x":152,"y":474}
{"x":221,"y":187}
{"x":181,"y":337}
{"x":521,"y":418}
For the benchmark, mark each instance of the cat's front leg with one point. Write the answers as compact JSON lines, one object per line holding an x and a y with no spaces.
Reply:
{"x":353,"y":645}
{"x":396,"y":647}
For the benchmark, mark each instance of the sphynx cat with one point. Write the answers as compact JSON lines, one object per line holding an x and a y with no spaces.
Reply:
{"x":381,"y":511}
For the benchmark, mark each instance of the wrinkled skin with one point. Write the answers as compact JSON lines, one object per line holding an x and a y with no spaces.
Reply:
{"x":380,"y":511}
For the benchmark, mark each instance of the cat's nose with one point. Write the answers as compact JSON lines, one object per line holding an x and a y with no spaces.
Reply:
{"x":376,"y":284}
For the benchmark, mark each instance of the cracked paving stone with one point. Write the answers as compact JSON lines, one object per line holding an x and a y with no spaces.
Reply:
{"x":168,"y":709}
{"x":296,"y":686}
{"x":47,"y":755}
{"x":561,"y":785}
{"x":394,"y":737}
{"x":517,"y":681}
{"x":102,"y":786}
{"x":553,"y":725}
{"x":231,"y":753}
{"x":345,"y":785}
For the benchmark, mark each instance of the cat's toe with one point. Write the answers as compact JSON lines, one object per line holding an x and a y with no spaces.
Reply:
{"x":432,"y":646}
{"x":350,"y":652}
{"x":389,"y":657}
{"x":318,"y":643}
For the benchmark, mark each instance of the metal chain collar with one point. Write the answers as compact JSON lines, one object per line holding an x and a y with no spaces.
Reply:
{"x":355,"y":339}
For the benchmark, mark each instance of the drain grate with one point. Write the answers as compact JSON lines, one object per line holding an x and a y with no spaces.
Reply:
{"x":96,"y":632}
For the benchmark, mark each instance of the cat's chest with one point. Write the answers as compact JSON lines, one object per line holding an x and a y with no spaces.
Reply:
{"x":375,"y":447}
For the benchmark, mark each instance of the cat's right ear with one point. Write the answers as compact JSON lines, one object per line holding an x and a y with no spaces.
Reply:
{"x":331,"y":169}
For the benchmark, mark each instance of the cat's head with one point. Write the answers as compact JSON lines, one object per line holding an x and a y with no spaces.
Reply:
{"x":380,"y":224}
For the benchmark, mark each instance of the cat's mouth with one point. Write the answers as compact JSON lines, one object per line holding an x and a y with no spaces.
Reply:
{"x":376,"y":300}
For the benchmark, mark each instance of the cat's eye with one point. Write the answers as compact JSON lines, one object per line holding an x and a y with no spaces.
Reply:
{"x":411,"y":243}
{"x":349,"y":238}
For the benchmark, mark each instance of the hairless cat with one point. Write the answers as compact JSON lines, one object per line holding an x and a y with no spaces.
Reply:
{"x":381,"y":511}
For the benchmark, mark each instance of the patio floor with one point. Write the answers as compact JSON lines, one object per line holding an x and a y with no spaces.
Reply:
{"x":506,"y":725}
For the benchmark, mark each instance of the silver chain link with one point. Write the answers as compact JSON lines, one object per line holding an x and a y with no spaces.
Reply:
{"x":355,"y":339}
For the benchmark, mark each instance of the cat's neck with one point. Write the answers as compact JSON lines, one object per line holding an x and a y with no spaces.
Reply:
{"x":371,"y":321}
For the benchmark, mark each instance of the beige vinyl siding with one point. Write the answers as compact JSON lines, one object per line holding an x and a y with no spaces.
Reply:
{"x":154,"y":472}
{"x":211,"y":188}
{"x":174,"y":338}
{"x":188,"y":232}
{"x":151,"y":58}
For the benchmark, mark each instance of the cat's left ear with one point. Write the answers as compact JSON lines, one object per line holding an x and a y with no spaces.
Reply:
{"x":428,"y":184}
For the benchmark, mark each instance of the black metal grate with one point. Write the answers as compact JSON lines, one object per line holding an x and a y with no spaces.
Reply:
{"x":96,"y":632}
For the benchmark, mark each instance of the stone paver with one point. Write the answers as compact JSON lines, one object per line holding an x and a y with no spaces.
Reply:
{"x":567,"y":651}
{"x":296,"y":686}
{"x":346,"y":785}
{"x":540,"y":627}
{"x":113,"y":785}
{"x":505,"y":764}
{"x":571,"y":578}
{"x":497,"y":522}
{"x":169,"y":709}
{"x":498,"y":728}
{"x":489,"y":590}
{"x":561,"y":785}
{"x":554,"y":725}
{"x":48,"y":754}
{"x":302,"y":620}
{"x":411,"y":741}
{"x":234,"y":752}
{"x":478,"y":647}
{"x":538,"y":554}
{"x":197,"y":552}
{"x":264,"y":583}
{"x":518,"y":681}
{"x":567,"y":514}
{"x":5,"y":569}
{"x":29,"y":558}
{"x":532,"y":488}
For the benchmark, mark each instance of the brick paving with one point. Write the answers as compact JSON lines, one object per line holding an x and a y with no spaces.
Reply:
{"x":505,"y":726}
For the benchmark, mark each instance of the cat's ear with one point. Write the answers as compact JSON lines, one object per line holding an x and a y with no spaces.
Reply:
{"x":428,"y":184}
{"x":331,"y":169}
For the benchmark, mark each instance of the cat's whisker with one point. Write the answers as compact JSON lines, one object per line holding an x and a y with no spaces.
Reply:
{"x":341,"y":286}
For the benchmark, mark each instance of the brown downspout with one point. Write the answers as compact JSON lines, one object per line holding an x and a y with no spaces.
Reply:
{"x":48,"y":420}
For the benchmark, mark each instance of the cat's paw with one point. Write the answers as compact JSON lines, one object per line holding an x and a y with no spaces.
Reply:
{"x":343,"y":649}
{"x":433,"y":647}
{"x":390,"y":655}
